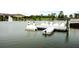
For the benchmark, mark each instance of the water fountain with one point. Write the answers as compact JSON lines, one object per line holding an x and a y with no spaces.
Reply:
{"x":10,"y":19}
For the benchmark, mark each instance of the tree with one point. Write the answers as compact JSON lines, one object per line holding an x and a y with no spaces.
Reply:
{"x":65,"y":17}
{"x":61,"y":15}
{"x":1,"y":18}
{"x":41,"y":17}
{"x":49,"y":16}
{"x":53,"y":16}
{"x":70,"y":16}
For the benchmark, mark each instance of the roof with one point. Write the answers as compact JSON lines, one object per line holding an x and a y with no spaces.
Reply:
{"x":5,"y":14}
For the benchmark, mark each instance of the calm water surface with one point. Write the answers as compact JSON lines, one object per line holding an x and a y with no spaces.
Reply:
{"x":13,"y":35}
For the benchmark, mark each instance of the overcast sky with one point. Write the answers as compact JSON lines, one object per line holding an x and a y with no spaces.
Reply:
{"x":29,"y":7}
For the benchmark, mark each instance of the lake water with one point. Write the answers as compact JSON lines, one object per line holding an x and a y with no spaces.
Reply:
{"x":13,"y":35}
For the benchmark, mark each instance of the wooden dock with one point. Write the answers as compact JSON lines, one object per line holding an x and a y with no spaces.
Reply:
{"x":74,"y":23}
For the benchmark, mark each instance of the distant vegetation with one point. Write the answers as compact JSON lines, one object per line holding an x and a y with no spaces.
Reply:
{"x":3,"y":18}
{"x":52,"y":16}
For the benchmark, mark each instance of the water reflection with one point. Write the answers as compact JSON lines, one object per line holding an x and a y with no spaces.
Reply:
{"x":67,"y":36}
{"x":48,"y":35}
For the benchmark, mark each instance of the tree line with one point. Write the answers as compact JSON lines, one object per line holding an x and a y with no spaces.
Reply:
{"x":52,"y":16}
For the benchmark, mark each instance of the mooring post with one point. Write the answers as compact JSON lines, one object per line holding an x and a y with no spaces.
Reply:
{"x":67,"y":24}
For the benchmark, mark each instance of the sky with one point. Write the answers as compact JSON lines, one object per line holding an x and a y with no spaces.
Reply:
{"x":37,"y":7}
